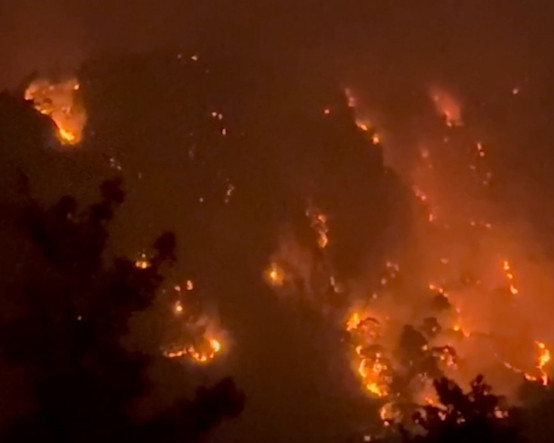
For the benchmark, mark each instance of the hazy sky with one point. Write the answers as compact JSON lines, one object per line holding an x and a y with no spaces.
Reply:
{"x":405,"y":37}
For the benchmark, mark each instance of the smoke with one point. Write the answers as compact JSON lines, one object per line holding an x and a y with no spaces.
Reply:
{"x":412,"y":68}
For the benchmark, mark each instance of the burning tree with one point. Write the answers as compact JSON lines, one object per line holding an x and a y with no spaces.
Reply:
{"x":458,"y":416}
{"x":477,"y":415}
{"x":72,"y":310}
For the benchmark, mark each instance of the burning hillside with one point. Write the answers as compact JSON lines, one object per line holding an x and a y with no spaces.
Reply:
{"x":378,"y":278}
{"x":58,"y":100}
{"x":457,"y":302}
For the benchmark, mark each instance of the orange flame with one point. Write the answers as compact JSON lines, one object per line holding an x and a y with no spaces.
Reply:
{"x":275,"y":275}
{"x":507,"y":268}
{"x":214,"y":347}
{"x":371,"y":366}
{"x":447,"y":106}
{"x":58,"y":101}
{"x":318,"y":221}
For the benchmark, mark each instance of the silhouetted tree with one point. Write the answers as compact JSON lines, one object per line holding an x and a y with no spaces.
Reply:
{"x":73,"y":306}
{"x":475,"y":416}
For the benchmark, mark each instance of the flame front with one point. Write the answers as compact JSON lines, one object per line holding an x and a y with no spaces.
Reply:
{"x":447,"y":312}
{"x":58,"y":100}
{"x":372,"y":366}
{"x":206,"y":354}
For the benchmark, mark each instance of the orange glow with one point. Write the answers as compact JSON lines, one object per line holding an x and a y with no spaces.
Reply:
{"x":450,"y":303}
{"x":198,"y":356}
{"x":353,"y":322}
{"x":350,"y":98}
{"x":389,"y":413}
{"x":447,"y":106}
{"x":58,"y":101}
{"x":275,"y":275}
{"x":215,"y":345}
{"x":370,"y":363}
{"x":544,"y":359}
{"x":318,"y":221}
{"x":178,"y":308}
{"x":142,"y":262}
{"x":420,"y":194}
{"x":508,"y":272}
{"x":375,"y":389}
{"x":437,"y":288}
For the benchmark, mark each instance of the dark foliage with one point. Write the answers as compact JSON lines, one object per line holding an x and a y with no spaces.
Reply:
{"x":73,"y":305}
{"x":475,"y":416}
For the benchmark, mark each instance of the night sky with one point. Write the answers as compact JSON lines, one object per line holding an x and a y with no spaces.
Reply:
{"x":232,"y":123}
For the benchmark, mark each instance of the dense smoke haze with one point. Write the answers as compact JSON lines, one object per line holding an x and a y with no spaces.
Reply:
{"x":360,"y":192}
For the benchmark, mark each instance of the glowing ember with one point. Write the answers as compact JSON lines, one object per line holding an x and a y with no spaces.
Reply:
{"x":389,"y":413}
{"x":275,"y":275}
{"x":197,"y":356}
{"x":459,"y":323}
{"x":507,"y":268}
{"x":215,"y":345}
{"x":229,"y":193}
{"x":178,"y":308}
{"x":58,"y":101}
{"x":437,"y":288}
{"x":372,"y":369}
{"x":420,"y":195}
{"x":447,"y":106}
{"x":371,"y":365}
{"x":353,"y":322}
{"x":350,"y":98}
{"x":318,"y":222}
{"x":142,"y":262}
{"x":544,"y":359}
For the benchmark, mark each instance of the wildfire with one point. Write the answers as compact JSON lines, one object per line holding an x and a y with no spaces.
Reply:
{"x":199,"y":343}
{"x":371,"y":365}
{"x":229,"y":193}
{"x":544,"y":359}
{"x":58,"y":101}
{"x":372,"y":369}
{"x":353,"y":322}
{"x":389,"y":413}
{"x":453,"y":268}
{"x":198,"y":356}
